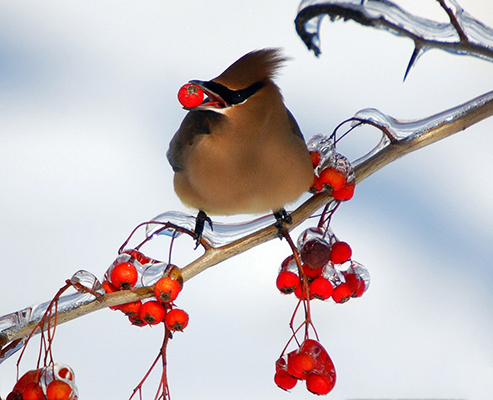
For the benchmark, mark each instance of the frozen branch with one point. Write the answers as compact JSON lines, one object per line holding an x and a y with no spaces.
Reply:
{"x":463,"y":35}
{"x":398,"y":139}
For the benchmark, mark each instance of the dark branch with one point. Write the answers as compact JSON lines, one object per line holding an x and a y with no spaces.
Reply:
{"x":464,"y":35}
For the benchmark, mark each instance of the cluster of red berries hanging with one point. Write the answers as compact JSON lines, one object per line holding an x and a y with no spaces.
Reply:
{"x":133,"y":269}
{"x":310,"y":363}
{"x":54,"y":382}
{"x":321,"y":267}
{"x":327,"y":270}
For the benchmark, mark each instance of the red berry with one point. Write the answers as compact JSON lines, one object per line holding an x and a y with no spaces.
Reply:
{"x":30,"y":376}
{"x":341,"y":252}
{"x":110,"y":288}
{"x":311,"y":273}
{"x":317,"y":351}
{"x":58,"y":390}
{"x":284,"y":380}
{"x":281,"y":364}
{"x":317,"y":186}
{"x":302,"y":363}
{"x":319,"y":384}
{"x":346,"y":192}
{"x":14,"y":396}
{"x":167,"y":289}
{"x":124,"y":276}
{"x":315,"y":156}
{"x":342,"y":293}
{"x":33,"y":392}
{"x":296,"y":372}
{"x":131,"y":309}
{"x":176,"y":319}
{"x":190,"y":95}
{"x":287,"y":282}
{"x":136,"y":320}
{"x":152,"y":312}
{"x":321,"y":288}
{"x":355,"y":283}
{"x":333,"y":177}
{"x":300,"y":292}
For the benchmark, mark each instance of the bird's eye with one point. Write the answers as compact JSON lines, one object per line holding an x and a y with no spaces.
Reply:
{"x":237,"y":98}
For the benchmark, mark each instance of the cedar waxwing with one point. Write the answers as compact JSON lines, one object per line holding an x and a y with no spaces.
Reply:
{"x":241,"y":150}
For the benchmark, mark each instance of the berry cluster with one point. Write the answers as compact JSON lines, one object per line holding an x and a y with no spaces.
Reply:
{"x":310,"y":363}
{"x":326,"y":267}
{"x":332,"y":170}
{"x":321,"y":267}
{"x":128,"y":271}
{"x":54,"y":382}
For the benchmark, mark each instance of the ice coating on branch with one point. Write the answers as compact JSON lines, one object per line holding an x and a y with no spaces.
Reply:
{"x":149,"y":270}
{"x":175,"y":217}
{"x":321,"y":143}
{"x":407,"y":130}
{"x":339,"y":162}
{"x":88,"y":281}
{"x":221,"y":234}
{"x":386,"y":15}
{"x":153,"y":272}
{"x":476,"y":31}
{"x":400,"y":130}
{"x":10,"y":324}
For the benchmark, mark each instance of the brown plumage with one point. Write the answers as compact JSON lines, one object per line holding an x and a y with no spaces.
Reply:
{"x":241,"y":151}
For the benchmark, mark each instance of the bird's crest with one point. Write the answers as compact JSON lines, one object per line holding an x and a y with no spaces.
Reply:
{"x":252,"y":67}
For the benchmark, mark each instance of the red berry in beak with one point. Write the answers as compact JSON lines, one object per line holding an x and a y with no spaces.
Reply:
{"x":190,"y":96}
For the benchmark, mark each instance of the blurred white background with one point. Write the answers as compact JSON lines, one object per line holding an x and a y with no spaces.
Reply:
{"x":88,"y":99}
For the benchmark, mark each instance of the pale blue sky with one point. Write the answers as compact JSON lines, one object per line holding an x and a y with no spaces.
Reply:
{"x":88,"y":99}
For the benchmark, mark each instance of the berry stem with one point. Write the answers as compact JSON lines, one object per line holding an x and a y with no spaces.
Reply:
{"x":45,"y":341}
{"x":326,"y":217}
{"x":164,"y":376}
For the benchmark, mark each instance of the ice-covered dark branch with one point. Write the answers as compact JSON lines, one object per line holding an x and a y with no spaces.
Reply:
{"x":463,"y":35}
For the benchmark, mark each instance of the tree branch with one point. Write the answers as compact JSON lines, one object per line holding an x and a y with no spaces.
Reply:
{"x":464,"y":35}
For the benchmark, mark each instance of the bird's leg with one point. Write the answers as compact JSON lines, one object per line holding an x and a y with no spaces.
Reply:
{"x":282,"y":218}
{"x":201,"y":219}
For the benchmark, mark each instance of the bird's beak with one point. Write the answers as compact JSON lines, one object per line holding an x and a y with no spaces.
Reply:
{"x":213,"y":101}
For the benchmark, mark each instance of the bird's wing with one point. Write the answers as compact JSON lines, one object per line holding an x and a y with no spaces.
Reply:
{"x":194,"y":124}
{"x":295,"y":128}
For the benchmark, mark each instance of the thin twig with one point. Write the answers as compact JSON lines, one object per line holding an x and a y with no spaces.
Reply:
{"x":454,"y":21}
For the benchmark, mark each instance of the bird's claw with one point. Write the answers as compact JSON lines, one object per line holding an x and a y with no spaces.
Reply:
{"x":282,"y":218}
{"x":200,"y":221}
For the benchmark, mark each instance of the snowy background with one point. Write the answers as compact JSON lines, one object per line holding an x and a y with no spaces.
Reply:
{"x":88,"y":106}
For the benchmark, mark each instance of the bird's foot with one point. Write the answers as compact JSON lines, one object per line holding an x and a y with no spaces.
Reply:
{"x":200,"y":221}
{"x":282,"y":218}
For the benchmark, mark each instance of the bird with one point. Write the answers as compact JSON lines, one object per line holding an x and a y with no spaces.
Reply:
{"x":241,"y":151}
